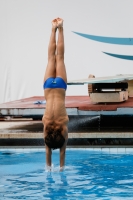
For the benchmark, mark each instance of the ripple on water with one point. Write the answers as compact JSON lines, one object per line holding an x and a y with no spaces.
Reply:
{"x":87,"y":175}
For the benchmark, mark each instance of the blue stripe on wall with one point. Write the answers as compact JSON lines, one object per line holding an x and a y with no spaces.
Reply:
{"x":126,"y":57}
{"x":111,"y":40}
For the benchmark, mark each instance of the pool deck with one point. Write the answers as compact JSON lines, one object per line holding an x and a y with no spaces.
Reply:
{"x":21,"y":120}
{"x":29,"y":133}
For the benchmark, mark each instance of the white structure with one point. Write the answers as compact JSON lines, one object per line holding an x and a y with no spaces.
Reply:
{"x":25,"y":27}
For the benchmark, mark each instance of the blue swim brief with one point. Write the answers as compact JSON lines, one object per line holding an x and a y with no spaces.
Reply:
{"x":57,"y":82}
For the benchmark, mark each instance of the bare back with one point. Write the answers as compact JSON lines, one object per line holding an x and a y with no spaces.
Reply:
{"x":55,"y":112}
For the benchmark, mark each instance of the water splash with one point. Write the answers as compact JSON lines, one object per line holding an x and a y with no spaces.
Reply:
{"x":77,"y":123}
{"x":52,"y":168}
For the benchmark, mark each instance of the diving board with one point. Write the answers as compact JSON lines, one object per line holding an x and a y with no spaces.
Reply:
{"x":108,"y":79}
{"x":107,"y":89}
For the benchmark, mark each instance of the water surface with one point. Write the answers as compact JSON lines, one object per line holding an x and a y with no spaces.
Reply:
{"x":88,"y":175}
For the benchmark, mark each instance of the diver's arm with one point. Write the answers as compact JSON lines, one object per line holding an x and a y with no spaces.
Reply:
{"x":47,"y":149}
{"x":62,"y":156}
{"x":48,"y":156}
{"x":63,"y":150}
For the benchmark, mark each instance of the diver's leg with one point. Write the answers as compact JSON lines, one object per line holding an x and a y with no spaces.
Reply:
{"x":50,"y":69}
{"x":60,"y":66}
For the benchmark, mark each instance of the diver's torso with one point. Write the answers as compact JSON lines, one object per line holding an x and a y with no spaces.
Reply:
{"x":55,"y":111}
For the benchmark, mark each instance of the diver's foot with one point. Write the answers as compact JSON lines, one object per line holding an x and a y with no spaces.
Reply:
{"x":59,"y":22}
{"x":54,"y":24}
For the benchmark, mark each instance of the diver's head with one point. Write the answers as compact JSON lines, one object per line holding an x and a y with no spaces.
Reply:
{"x":54,"y":138}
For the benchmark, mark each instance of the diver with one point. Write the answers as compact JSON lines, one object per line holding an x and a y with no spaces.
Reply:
{"x":55,"y":118}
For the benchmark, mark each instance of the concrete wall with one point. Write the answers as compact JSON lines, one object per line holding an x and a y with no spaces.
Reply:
{"x":25,"y":27}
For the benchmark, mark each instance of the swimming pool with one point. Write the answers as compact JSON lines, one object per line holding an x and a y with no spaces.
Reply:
{"x":89,"y":174}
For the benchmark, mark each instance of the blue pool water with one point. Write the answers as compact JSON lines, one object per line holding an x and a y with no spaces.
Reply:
{"x":88,"y":175}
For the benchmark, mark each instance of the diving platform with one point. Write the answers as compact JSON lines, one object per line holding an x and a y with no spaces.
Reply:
{"x":34,"y":107}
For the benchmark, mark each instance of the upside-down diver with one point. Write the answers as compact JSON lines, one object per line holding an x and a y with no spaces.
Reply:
{"x":55,"y":119}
